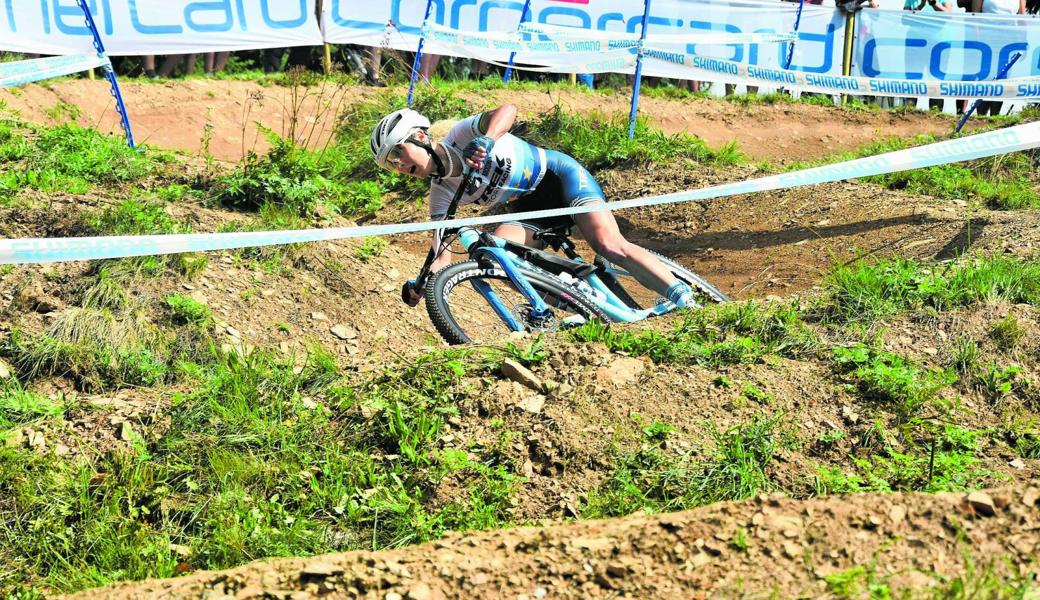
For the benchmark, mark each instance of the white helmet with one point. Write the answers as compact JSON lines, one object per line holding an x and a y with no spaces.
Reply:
{"x":394,"y":129}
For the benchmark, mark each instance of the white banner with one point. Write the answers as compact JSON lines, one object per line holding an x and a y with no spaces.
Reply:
{"x":135,"y":27}
{"x":945,"y":46}
{"x":398,"y":23}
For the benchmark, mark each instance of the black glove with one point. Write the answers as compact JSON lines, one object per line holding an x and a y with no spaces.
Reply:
{"x":409,"y":291}
{"x":480,"y":142}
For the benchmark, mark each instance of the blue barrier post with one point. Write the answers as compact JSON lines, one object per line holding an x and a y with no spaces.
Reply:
{"x":418,"y":55}
{"x":512,"y":55}
{"x":110,"y":74}
{"x":1000,"y":75}
{"x":797,"y":22}
{"x":639,"y":73}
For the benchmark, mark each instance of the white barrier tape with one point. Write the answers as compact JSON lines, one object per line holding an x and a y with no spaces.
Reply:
{"x":582,"y":41}
{"x":38,"y":69}
{"x":45,"y":250}
{"x":1019,"y":88}
{"x":620,"y":37}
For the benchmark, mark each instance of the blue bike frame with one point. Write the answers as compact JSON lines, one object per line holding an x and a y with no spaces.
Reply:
{"x":613,"y":307}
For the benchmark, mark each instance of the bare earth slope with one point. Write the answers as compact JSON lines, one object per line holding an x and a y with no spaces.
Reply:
{"x":174,"y":115}
{"x":769,"y":545}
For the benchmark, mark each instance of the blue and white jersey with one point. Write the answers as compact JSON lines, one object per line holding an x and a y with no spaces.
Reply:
{"x":514,"y":167}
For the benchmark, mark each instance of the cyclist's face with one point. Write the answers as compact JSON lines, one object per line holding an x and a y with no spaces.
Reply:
{"x":410,"y":159}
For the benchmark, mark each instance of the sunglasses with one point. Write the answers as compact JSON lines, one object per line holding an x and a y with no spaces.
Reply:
{"x":395,"y":155}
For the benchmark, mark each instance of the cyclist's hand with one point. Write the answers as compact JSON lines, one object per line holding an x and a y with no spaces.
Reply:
{"x":477,"y":150}
{"x":410,"y":293}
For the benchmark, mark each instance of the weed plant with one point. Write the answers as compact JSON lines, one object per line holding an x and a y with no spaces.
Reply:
{"x":888,"y":378}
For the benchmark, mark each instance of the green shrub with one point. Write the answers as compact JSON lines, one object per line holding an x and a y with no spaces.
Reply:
{"x":187,"y":310}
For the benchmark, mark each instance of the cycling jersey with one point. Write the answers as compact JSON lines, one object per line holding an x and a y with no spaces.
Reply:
{"x":514,"y":167}
{"x":518,"y":173}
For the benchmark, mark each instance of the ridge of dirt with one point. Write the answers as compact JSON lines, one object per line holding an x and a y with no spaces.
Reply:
{"x":907,"y":541}
{"x":175,"y":114}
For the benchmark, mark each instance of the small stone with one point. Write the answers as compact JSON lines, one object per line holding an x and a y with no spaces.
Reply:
{"x":1018,"y":463}
{"x":532,"y":404}
{"x":5,"y":370}
{"x":521,"y":374}
{"x":308,"y":403}
{"x":792,"y":550}
{"x":343,"y":332}
{"x":319,"y":316}
{"x":420,"y":591}
{"x":930,"y":351}
{"x":61,"y":450}
{"x":541,"y":592}
{"x":1031,"y":496}
{"x":231,"y":331}
{"x":621,"y":372}
{"x":479,"y":579}
{"x":320,"y":568}
{"x":393,"y":596}
{"x":982,"y":503}
{"x":896,"y":514}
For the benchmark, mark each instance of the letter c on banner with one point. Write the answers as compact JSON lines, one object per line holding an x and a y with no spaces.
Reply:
{"x":224,"y":5}
{"x":456,"y":13}
{"x":395,"y":16}
{"x":265,"y":11}
{"x":1007,"y":51}
{"x":605,"y":18}
{"x":870,"y":52}
{"x":985,"y":59}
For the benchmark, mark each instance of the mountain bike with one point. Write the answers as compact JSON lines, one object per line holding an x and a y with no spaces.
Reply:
{"x":510,"y":287}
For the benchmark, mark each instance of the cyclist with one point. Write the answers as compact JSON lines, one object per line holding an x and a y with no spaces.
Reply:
{"x":517,"y":173}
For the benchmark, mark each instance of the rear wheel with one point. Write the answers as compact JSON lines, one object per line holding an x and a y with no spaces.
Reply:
{"x":463,"y":315}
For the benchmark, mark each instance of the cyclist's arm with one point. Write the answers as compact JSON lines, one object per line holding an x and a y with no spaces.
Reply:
{"x":498,"y":122}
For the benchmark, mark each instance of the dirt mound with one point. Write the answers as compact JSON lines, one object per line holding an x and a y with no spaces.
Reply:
{"x":176,"y":114}
{"x":841,"y":546}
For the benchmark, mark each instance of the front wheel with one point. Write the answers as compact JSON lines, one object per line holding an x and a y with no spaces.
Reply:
{"x":462,"y":313}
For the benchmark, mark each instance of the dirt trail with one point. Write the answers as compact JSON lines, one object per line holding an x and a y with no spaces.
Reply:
{"x":174,"y":115}
{"x":904,"y":541}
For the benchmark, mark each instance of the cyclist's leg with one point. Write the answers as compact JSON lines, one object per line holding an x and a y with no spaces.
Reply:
{"x":514,"y":231}
{"x":600,"y":229}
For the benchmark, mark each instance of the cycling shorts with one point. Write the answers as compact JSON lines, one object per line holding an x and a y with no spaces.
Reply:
{"x":566,"y":183}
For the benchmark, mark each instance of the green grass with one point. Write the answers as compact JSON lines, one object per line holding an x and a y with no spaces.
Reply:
{"x":601,"y":142}
{"x":866,"y":291}
{"x":890,"y":379}
{"x":262,"y":459}
{"x":68,"y":158}
{"x":731,"y":333}
{"x":654,"y":480}
{"x":1005,"y":182}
